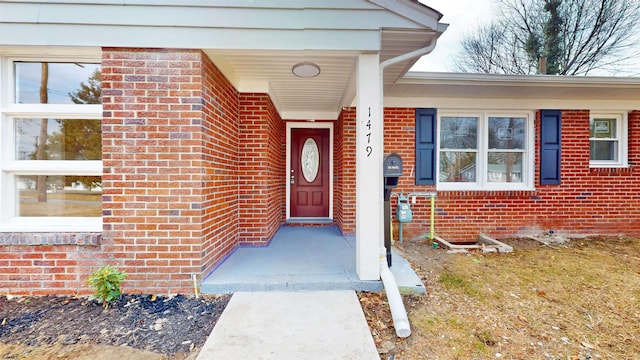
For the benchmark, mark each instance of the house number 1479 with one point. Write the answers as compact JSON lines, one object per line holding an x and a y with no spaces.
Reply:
{"x":369,"y":149}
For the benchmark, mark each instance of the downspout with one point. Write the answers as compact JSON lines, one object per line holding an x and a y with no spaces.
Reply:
{"x":410,"y":55}
{"x":398,"y":311}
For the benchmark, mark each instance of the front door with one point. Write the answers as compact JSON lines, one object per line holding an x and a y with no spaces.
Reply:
{"x":309,"y":177}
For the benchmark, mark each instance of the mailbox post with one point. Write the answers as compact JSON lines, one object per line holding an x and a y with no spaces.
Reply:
{"x":391,"y":171}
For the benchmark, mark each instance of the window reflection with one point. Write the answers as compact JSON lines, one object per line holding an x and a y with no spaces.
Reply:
{"x":457,"y":166}
{"x":58,"y":139}
{"x":506,"y":133}
{"x":76,"y":196}
{"x":459,"y":133}
{"x":57,"y":83}
{"x":504,"y":167}
{"x":603,"y":141}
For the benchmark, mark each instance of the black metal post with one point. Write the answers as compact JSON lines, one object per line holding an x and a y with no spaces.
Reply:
{"x":387,"y":224}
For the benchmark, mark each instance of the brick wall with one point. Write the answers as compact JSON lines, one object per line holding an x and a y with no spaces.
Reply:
{"x":345,"y":172}
{"x":152,"y":157}
{"x":53,"y":263}
{"x":170,"y":135}
{"x":220,"y":167}
{"x":588,"y":202}
{"x":261,"y":169}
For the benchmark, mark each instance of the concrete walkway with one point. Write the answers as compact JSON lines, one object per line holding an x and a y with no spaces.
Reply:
{"x":303,"y":258}
{"x":295,"y":299}
{"x":291,"y":325}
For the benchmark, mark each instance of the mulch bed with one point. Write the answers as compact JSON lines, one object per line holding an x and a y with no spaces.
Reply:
{"x":165,"y":325}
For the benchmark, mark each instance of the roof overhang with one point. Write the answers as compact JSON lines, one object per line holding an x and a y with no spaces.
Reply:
{"x":485,"y":91}
{"x":255,"y":44}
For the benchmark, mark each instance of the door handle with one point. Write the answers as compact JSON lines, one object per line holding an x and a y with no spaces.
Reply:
{"x":292,"y":180}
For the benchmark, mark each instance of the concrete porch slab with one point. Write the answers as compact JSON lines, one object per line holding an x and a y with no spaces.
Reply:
{"x":303,"y":259}
{"x":291,"y":325}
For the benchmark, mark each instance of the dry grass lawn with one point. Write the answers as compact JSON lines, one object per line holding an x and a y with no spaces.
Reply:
{"x":581,"y":301}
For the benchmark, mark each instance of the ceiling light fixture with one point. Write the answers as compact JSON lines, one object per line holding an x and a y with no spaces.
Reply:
{"x":305,"y":70}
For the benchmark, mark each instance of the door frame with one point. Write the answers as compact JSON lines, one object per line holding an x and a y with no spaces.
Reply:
{"x":308,"y":125}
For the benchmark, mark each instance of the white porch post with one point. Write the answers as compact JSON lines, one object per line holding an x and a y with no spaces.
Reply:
{"x":369,"y":156}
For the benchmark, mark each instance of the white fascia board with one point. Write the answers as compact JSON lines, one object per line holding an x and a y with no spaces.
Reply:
{"x":419,"y":14}
{"x":309,"y":115}
{"x":434,"y":78}
{"x":190,"y":38}
{"x":271,"y":4}
{"x":294,"y":16}
{"x":510,"y":104}
{"x":72,"y":53}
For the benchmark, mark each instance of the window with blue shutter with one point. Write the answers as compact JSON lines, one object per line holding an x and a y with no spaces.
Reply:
{"x":550,"y":146}
{"x":426,"y":146}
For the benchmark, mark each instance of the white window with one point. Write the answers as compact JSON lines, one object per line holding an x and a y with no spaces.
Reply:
{"x":51,"y":145}
{"x":485,"y":151}
{"x":608,"y":140}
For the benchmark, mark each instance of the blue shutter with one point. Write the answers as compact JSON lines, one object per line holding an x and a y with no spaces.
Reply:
{"x":425,"y":146}
{"x":550,"y":144}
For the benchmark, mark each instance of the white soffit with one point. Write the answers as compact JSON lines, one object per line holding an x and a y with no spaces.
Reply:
{"x":318,"y":98}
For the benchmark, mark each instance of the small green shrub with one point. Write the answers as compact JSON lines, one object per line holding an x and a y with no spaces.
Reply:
{"x":106,"y":284}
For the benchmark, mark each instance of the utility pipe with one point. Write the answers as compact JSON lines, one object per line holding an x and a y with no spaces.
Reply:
{"x":398,"y":312}
{"x":432,"y":227}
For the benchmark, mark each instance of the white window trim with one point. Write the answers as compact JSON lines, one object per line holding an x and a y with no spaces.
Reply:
{"x":481,"y":183}
{"x":10,"y":168}
{"x":622,"y":136}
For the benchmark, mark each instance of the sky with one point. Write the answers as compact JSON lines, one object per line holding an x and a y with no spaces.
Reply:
{"x":462,"y":16}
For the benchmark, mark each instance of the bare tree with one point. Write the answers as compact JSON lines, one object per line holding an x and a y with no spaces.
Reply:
{"x":42,"y":144}
{"x":572,"y":37}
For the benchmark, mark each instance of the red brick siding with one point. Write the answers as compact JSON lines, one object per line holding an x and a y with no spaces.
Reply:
{"x":261,"y":169}
{"x":588,"y":202}
{"x":338,"y":170}
{"x":47,"y":269}
{"x":170,"y":137}
{"x":345,"y":172}
{"x":153,"y":158}
{"x":220,"y":166}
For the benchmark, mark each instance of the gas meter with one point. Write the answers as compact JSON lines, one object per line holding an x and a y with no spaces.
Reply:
{"x":403,"y":211}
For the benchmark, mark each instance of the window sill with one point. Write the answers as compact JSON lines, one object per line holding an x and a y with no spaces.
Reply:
{"x":487,"y":192}
{"x":493,"y":187}
{"x":610,"y":169}
{"x":608,"y":166}
{"x":45,"y":225}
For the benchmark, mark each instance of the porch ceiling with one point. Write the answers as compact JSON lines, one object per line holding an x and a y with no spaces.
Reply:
{"x":270,"y":72}
{"x":321,"y":97}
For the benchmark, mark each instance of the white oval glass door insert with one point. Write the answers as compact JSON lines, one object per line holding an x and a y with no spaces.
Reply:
{"x":310,"y":160}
